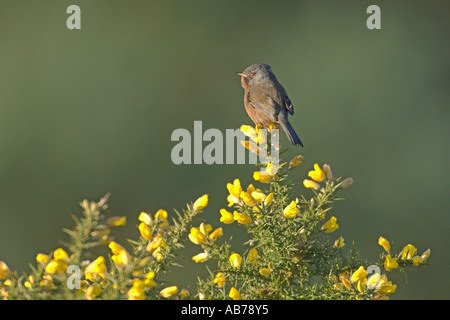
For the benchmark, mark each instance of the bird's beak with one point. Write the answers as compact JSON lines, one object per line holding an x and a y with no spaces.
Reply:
{"x":241,"y":74}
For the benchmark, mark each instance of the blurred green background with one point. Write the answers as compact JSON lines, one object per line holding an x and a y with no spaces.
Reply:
{"x":91,"y":111}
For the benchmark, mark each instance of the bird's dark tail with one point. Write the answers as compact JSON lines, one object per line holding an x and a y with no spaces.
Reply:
{"x":291,"y":134}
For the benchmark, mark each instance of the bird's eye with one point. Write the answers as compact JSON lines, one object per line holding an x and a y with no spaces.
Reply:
{"x":252,"y":74}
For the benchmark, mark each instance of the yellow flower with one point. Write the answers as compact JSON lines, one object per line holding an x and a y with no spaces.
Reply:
{"x":271,"y":169}
{"x":241,"y":218}
{"x":291,"y":210}
{"x":137,"y":290}
{"x":248,"y":199}
{"x":201,"y":203}
{"x":93,"y":291}
{"x":249,"y":145}
{"x":384,"y":243}
{"x":295,"y":161}
{"x":250,"y":132}
{"x":390,"y":263}
{"x":261,"y":177}
{"x":116,"y":221}
{"x":268,"y":200}
{"x":169,"y":291}
{"x":373,"y":281}
{"x":421,"y":259}
{"x":220,"y":279}
{"x":345,"y":281}
{"x":265,"y":272}
{"x":311,"y":184}
{"x":196,"y":236}
{"x":235,"y":260}
{"x":327,"y":171}
{"x":155,"y":243}
{"x":346,"y":183}
{"x":96,"y":269}
{"x":145,"y":218}
{"x":4,"y":270}
{"x":56,"y":266}
{"x":226,"y":217}
{"x":216,"y":234}
{"x":145,"y":231}
{"x":330,"y":225}
{"x":42,"y":258}
{"x":120,"y":255}
{"x":386,"y":287}
{"x":359,"y":275}
{"x":60,"y":255}
{"x":317,"y":174}
{"x":235,"y":189}
{"x":234,"y":294}
{"x":408,"y":252}
{"x":339,"y":243}
{"x":252,"y":256}
{"x":201,"y":257}
{"x":161,"y":214}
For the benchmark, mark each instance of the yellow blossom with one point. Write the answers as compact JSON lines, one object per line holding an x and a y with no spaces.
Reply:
{"x":265,"y":272}
{"x":346,"y":183}
{"x":327,"y":171}
{"x":145,"y":218}
{"x":155,"y":243}
{"x":331,"y":225}
{"x":271,"y":169}
{"x":268,"y":200}
{"x":201,"y":203}
{"x":226,"y":217}
{"x":252,"y":256}
{"x":339,"y":243}
{"x":116,"y":221}
{"x":56,"y":266}
{"x":384,"y":243}
{"x":96,"y":269}
{"x":250,"y":132}
{"x":161,"y":214}
{"x":201,"y":257}
{"x":234,"y":294}
{"x":291,"y":210}
{"x":93,"y":291}
{"x":261,"y":177}
{"x":137,"y":290}
{"x":235,"y":189}
{"x":408,"y":252}
{"x":42,"y":258}
{"x":235,"y":260}
{"x":345,"y":281}
{"x":216,"y":234}
{"x":251,"y":146}
{"x":390,"y":263}
{"x":248,"y":199}
{"x":311,"y":184}
{"x":60,"y":255}
{"x":359,"y":275}
{"x":157,"y":254}
{"x":145,"y":231}
{"x":317,"y":174}
{"x":120,"y":255}
{"x":421,"y":259}
{"x":373,"y":281}
{"x":386,"y":287}
{"x":196,"y":236}
{"x":169,"y":291}
{"x":295,"y":161}
{"x":241,"y":218}
{"x":220,"y":279}
{"x":4,"y":270}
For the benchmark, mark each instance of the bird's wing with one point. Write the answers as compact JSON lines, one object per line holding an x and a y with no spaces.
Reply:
{"x":265,"y":98}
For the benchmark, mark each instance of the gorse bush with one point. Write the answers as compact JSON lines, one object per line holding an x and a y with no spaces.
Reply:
{"x":291,"y":254}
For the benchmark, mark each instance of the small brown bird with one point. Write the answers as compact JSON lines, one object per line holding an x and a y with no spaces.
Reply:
{"x":266,"y":101}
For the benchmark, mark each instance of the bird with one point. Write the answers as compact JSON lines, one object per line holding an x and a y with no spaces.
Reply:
{"x":266,"y":100}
